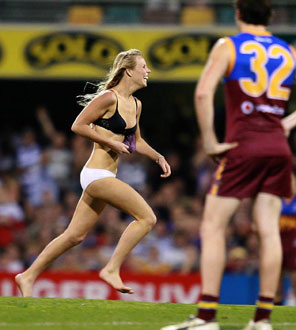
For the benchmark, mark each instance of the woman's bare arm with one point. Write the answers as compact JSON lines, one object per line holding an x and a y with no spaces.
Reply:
{"x":99,"y":106}
{"x":144,"y":148}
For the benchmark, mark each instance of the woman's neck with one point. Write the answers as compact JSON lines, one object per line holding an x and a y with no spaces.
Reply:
{"x":125,"y":89}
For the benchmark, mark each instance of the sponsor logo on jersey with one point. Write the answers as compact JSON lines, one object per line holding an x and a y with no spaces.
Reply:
{"x":248,"y":107}
{"x":263,"y":39}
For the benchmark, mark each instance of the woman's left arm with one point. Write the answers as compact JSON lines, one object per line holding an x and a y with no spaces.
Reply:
{"x":142,"y":147}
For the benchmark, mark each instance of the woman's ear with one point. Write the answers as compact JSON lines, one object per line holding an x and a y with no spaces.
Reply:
{"x":128,"y":72}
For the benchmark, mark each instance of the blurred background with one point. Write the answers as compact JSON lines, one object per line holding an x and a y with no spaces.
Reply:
{"x":49,"y":49}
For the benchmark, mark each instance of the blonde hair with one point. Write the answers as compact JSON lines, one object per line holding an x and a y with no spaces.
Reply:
{"x":124,"y":60}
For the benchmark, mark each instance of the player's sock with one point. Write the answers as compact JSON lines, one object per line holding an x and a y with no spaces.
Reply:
{"x":207,"y":307}
{"x":278,"y":301}
{"x":263,"y":309}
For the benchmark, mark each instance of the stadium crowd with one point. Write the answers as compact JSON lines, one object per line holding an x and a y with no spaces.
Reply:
{"x":39,"y":190}
{"x":131,"y":12}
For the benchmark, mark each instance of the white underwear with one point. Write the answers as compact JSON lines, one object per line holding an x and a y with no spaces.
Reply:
{"x":89,"y":175}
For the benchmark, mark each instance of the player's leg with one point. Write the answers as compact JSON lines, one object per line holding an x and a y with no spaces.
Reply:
{"x":86,"y":214}
{"x":217,"y":213}
{"x":278,"y":300}
{"x":266,"y":211}
{"x":125,"y":198}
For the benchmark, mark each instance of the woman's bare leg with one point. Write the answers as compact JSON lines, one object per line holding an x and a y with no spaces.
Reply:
{"x":100,"y":192}
{"x":125,"y":198}
{"x":85,"y":216}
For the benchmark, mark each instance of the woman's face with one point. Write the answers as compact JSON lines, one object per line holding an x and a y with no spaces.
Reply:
{"x":141,"y":71}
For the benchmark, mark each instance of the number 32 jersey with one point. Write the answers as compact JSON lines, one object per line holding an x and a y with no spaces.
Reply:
{"x":258,"y":84}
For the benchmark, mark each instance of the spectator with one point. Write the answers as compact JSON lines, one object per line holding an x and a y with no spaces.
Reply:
{"x":132,"y":169}
{"x":10,"y":260}
{"x":34,"y":177}
{"x":11,"y":213}
{"x":237,"y":260}
{"x":58,"y":156}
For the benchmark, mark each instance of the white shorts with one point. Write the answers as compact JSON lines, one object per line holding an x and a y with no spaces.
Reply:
{"x":89,"y":175}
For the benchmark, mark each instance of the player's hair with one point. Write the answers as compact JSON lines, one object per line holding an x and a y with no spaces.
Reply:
{"x":257,"y":12}
{"x":124,"y":60}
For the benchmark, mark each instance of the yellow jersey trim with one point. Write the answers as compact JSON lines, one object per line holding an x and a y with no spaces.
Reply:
{"x":214,"y":189}
{"x":293,"y":50}
{"x":257,"y":33}
{"x":221,"y":168}
{"x":218,"y":176}
{"x":232,"y":56}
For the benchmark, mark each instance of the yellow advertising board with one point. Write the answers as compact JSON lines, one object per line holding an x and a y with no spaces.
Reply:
{"x":51,"y":52}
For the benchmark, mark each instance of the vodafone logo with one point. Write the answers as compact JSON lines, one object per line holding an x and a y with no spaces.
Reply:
{"x":247,"y":107}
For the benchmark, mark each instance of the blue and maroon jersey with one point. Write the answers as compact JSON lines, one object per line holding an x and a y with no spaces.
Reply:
{"x":288,"y":215}
{"x":257,"y":88}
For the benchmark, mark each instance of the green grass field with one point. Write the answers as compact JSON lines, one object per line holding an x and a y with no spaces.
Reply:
{"x":50,"y":313}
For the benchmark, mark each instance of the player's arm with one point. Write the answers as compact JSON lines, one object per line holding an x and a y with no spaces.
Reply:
{"x":216,"y":67}
{"x":94,"y":110}
{"x":289,"y":122}
{"x":142,"y":147}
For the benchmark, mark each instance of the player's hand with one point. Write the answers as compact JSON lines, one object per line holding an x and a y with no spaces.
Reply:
{"x":119,"y":147}
{"x":161,"y":161}
{"x":218,"y":149}
{"x":286,"y":129}
{"x":289,"y":123}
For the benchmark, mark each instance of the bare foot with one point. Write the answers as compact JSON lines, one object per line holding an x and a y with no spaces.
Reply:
{"x":24,"y":285}
{"x":115,"y":281}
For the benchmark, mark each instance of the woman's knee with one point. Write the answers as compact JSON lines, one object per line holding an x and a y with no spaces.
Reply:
{"x":74,"y":238}
{"x":150,"y":220}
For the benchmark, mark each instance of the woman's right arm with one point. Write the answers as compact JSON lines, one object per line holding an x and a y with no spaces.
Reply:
{"x":94,"y":110}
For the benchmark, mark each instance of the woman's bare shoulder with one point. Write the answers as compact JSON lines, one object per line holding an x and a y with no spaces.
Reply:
{"x":105,"y":99}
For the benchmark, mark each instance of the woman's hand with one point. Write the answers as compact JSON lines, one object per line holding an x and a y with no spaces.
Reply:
{"x":119,"y":147}
{"x":161,"y":161}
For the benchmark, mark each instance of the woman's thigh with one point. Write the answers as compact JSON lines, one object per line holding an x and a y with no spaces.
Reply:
{"x":120,"y":195}
{"x":86,"y":214}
